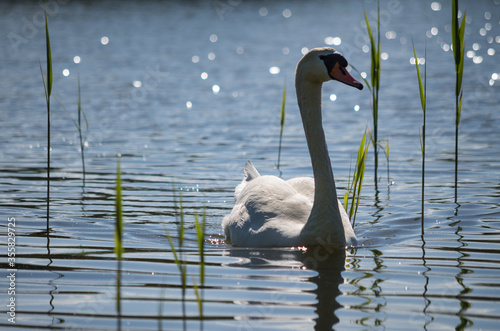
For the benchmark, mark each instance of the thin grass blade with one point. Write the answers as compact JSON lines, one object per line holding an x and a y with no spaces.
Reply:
{"x":459,"y":110}
{"x":364,"y":79}
{"x":119,"y":214}
{"x":198,"y":298}
{"x":420,"y":84}
{"x":460,"y":64}
{"x":49,"y":56}
{"x":282,"y":114}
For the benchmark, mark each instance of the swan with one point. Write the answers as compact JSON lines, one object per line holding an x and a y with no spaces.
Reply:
{"x":303,"y":211}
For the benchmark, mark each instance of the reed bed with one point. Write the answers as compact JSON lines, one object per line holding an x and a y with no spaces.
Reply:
{"x":374,"y":85}
{"x":179,"y":258}
{"x":353,"y":195}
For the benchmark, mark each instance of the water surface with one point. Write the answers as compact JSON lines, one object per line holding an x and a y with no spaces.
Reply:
{"x":184,"y":93}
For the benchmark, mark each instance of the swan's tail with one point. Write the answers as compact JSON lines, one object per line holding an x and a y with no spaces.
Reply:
{"x":248,"y":174}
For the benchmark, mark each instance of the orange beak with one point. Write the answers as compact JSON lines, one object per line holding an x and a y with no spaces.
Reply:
{"x":341,"y":74}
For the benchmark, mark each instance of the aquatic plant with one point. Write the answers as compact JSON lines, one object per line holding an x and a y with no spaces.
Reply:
{"x":458,"y":44}
{"x":78,"y":124}
{"x":386,"y":152}
{"x":354,"y":187}
{"x":282,"y":125}
{"x":422,"y":87}
{"x":374,"y":82}
{"x":179,"y":260}
{"x":118,"y":213}
{"x":118,"y":238}
{"x":47,"y":84}
{"x":200,"y":236}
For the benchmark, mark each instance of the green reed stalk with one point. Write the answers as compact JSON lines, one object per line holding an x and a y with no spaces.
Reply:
{"x":354,"y":187}
{"x":78,"y":124}
{"x":119,"y":213}
{"x":200,"y":235}
{"x":178,"y":258}
{"x":81,"y":114}
{"x":118,"y":237}
{"x":282,"y":125}
{"x":387,"y":151}
{"x":375,"y":82}
{"x":458,"y":43}
{"x":423,"y":101}
{"x":47,"y":84}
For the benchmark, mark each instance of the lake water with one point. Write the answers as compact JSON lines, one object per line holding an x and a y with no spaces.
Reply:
{"x":186,"y":92}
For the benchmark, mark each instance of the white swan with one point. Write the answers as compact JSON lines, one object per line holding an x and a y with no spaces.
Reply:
{"x":271,"y":212}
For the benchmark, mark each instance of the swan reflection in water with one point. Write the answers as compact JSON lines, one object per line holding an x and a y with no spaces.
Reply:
{"x":316,"y":270}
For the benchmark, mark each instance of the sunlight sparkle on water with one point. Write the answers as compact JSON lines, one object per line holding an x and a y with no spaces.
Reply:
{"x":211,"y":56}
{"x":195,"y":59}
{"x":287,"y":13}
{"x":391,"y":35}
{"x":274,"y":70}
{"x":77,"y":59}
{"x":285,"y":51}
{"x":263,"y":11}
{"x":104,"y":40}
{"x":333,"y":41}
{"x":333,"y":97}
{"x":304,"y":50}
{"x":215,"y":89}
{"x":436,"y":6}
{"x":204,"y":75}
{"x":137,"y":83}
{"x":240,"y":50}
{"x":189,"y":105}
{"x":65,"y":72}
{"x":421,"y":60}
{"x":356,"y":108}
{"x":213,"y":38}
{"x":477,"y":59}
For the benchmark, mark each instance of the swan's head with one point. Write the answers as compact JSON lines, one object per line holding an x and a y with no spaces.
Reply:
{"x":323,"y":64}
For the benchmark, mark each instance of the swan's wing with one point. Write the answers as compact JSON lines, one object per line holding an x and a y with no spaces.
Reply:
{"x":248,"y":174}
{"x":303,"y":185}
{"x":267,"y":212}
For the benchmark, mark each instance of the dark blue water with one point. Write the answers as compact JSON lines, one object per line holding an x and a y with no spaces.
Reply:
{"x":183,"y":91}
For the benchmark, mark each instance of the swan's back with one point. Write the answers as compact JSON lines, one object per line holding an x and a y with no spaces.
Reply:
{"x":267,"y":212}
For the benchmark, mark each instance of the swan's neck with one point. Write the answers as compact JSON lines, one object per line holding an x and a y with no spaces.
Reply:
{"x":324,"y":223}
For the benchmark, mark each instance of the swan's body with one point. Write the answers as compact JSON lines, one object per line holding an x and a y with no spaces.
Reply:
{"x":301,"y":211}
